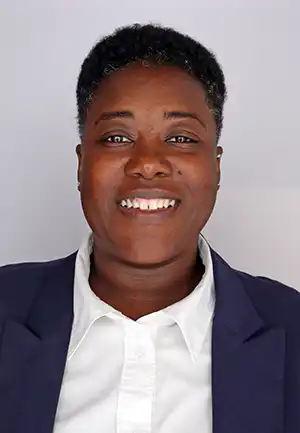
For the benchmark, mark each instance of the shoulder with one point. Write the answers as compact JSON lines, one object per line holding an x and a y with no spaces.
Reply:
{"x":20,"y":282}
{"x":17,"y":272}
{"x":276,"y":303}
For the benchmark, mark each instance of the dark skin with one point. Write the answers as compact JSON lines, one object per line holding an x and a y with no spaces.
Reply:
{"x":148,"y":129}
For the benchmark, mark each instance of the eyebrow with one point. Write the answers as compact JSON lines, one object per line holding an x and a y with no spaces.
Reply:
{"x":167,"y":115}
{"x":183,"y":115}
{"x":114,"y":115}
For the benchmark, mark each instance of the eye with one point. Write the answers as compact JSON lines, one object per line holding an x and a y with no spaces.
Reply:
{"x":116,"y":139}
{"x":181,"y":139}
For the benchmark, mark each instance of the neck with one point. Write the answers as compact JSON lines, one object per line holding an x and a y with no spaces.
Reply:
{"x":136,"y":292}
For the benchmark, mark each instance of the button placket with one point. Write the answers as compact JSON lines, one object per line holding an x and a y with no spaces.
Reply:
{"x":137,"y":382}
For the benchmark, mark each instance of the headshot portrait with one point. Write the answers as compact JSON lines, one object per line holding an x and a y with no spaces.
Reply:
{"x":145,"y":325}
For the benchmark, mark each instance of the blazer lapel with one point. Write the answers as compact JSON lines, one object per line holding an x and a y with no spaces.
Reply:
{"x":247,"y":361}
{"x":33,"y":356}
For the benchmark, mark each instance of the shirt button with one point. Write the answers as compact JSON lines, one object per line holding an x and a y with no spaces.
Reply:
{"x":140,"y":353}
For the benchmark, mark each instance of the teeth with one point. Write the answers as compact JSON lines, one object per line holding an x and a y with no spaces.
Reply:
{"x":153,"y":205}
{"x":143,"y":204}
{"x":126,"y":203}
{"x":166,"y":203}
{"x":160,"y":203}
{"x":148,"y":204}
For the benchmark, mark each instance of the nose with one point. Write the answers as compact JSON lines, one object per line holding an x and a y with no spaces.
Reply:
{"x":148,"y":164}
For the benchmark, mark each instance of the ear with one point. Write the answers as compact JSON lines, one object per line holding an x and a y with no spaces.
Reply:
{"x":219,"y":157}
{"x":79,"y":166}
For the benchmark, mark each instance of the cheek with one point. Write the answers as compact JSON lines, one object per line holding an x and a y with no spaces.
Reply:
{"x":201,"y":182}
{"x":99,"y":182}
{"x":201,"y":178}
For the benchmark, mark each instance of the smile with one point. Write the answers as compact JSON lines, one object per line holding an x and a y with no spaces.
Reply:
{"x":149,"y":204}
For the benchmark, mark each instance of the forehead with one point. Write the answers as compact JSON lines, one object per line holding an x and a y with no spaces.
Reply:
{"x":139,"y":87}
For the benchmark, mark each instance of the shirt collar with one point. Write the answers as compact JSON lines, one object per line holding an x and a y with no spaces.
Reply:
{"x":192,"y":314}
{"x":87,"y":306}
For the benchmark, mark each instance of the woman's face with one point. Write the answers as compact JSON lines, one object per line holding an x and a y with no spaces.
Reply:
{"x":148,"y":165}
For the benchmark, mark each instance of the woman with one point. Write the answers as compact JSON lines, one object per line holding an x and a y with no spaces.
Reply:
{"x":146,"y":328}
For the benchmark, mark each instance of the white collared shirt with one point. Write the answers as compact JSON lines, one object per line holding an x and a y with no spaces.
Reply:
{"x":152,"y":375}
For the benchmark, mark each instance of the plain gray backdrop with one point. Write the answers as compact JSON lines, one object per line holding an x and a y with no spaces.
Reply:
{"x":255,"y":226}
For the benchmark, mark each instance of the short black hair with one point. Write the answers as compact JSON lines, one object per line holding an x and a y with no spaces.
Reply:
{"x":157,"y":45}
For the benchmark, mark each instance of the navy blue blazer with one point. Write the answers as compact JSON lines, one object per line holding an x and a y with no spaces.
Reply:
{"x":255,"y":349}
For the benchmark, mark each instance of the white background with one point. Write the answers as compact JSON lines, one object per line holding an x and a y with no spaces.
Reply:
{"x":256,"y":224}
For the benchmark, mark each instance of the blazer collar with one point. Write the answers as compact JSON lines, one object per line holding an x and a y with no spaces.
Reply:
{"x":248,"y":359}
{"x":33,"y":354}
{"x":233,"y":305}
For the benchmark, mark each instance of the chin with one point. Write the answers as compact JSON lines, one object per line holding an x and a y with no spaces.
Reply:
{"x":146,"y":257}
{"x":147,"y":262}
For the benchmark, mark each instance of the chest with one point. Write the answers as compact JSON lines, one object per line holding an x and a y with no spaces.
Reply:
{"x":136,"y":381}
